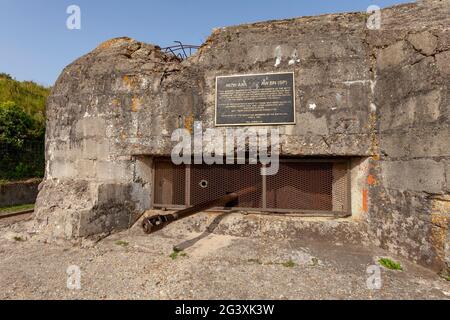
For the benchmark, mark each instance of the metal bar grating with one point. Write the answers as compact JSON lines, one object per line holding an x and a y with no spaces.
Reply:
{"x":211,"y":182}
{"x":301,"y":186}
{"x":321,"y":186}
{"x":169,"y":183}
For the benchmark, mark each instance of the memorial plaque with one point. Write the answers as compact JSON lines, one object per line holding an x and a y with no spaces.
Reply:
{"x":256,"y":99}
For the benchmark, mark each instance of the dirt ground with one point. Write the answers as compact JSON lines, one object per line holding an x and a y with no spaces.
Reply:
{"x":131,"y":265}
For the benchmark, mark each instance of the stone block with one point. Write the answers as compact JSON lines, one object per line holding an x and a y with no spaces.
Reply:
{"x":114,"y":171}
{"x":90,"y":127}
{"x":397,"y":54}
{"x":308,"y":123}
{"x":395,"y":86}
{"x":443,"y":62}
{"x":424,"y":142}
{"x":86,"y":169}
{"x":413,"y":111}
{"x":414,"y":175}
{"x":424,"y":42}
{"x":60,"y":169}
{"x":95,"y":149}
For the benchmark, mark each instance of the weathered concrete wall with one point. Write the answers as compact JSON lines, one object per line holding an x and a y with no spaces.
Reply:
{"x":379,"y":94}
{"x":17,"y":193}
{"x":411,"y":61}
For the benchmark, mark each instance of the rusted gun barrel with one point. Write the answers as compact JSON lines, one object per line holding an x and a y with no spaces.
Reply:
{"x":158,"y":222}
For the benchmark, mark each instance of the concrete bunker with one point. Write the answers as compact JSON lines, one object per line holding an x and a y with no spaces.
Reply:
{"x":376,"y":99}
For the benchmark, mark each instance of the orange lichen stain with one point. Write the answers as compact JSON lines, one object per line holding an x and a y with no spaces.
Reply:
{"x":376,"y":157}
{"x":210,"y":40}
{"x":109,"y":43}
{"x":129,"y":81}
{"x":189,"y":122}
{"x":440,"y":219}
{"x":136,"y":104}
{"x":365,"y":200}
{"x":371,"y":180}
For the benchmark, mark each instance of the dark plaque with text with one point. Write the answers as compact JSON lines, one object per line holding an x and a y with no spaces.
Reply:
{"x":256,"y":99}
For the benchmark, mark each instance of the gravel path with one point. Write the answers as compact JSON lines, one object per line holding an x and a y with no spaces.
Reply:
{"x":131,"y":265}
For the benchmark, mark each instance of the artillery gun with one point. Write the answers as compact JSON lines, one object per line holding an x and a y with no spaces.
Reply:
{"x":157,"y":222}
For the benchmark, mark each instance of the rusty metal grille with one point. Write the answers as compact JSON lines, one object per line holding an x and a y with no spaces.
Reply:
{"x":308,"y":186}
{"x":303,"y":186}
{"x":299,"y":186}
{"x":211,"y":182}
{"x":169,"y":183}
{"x":341,"y":187}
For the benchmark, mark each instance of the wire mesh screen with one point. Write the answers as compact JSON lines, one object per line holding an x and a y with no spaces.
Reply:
{"x":307,"y":186}
{"x":341,"y":187}
{"x":170,"y":183}
{"x":211,"y":182}
{"x":298,"y":186}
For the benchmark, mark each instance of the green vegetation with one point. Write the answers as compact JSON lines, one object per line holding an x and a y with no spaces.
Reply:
{"x":14,"y":209}
{"x":289,"y":264}
{"x":286,"y":264}
{"x":122,"y":243}
{"x":389,"y":264}
{"x":29,"y":96}
{"x":17,"y":125}
{"x":177,"y":253}
{"x":22,"y":128}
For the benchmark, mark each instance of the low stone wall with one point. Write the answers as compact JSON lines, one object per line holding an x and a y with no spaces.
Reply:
{"x":17,"y":193}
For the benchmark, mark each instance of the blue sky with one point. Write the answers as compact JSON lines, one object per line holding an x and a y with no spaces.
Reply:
{"x":36,"y":45}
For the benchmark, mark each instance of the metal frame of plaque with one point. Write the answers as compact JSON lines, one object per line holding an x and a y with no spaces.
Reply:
{"x":249,"y":123}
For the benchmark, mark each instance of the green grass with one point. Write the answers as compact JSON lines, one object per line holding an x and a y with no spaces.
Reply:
{"x":177,"y":253}
{"x":14,"y":209}
{"x":289,"y":264}
{"x":122,"y":243}
{"x":389,"y":264}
